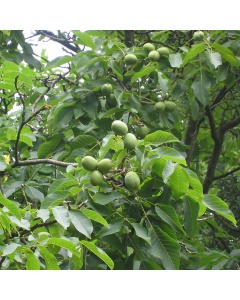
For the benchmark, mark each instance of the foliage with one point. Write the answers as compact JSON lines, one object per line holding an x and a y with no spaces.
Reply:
{"x":54,"y":113}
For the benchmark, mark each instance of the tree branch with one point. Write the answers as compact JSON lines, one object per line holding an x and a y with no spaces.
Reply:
{"x":225,"y":127}
{"x":226,"y":174}
{"x":50,"y":161}
{"x":63,"y":42}
{"x":209,"y":114}
{"x":24,"y":122}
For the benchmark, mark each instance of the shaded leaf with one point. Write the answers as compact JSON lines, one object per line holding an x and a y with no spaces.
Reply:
{"x":168,"y":214}
{"x":215,"y":59}
{"x":61,"y":215}
{"x":193,"y":52}
{"x":141,"y":232}
{"x":144,"y":71}
{"x":44,"y":214}
{"x":84,"y":39}
{"x":32,"y":262}
{"x":93,"y":215}
{"x":191,"y":209}
{"x":46,"y":148}
{"x":219,"y":206}
{"x":99,"y":253}
{"x":104,"y":198}
{"x":201,"y":86}
{"x":10,"y":248}
{"x":82,"y":141}
{"x":58,"y":61}
{"x":114,"y":227}
{"x":165,"y":248}
{"x":50,"y":259}
{"x":81,"y":223}
{"x":175,"y":60}
{"x":66,"y":244}
{"x":54,"y":199}
{"x":178,"y":182}
{"x":159,"y":137}
{"x":226,"y":54}
{"x":11,"y":207}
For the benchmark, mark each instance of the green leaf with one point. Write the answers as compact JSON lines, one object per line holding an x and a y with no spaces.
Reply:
{"x":81,"y":223}
{"x":84,"y":39}
{"x":159,"y":137}
{"x":66,"y":244}
{"x":144,"y":71}
{"x":171,"y":154}
{"x":215,"y":59}
{"x":61,"y":216}
{"x":193,"y":52}
{"x":54,"y":199}
{"x":226,"y":54}
{"x":163,"y":82}
{"x":3,"y":166}
{"x":99,"y":253}
{"x":114,"y":227}
{"x":9,"y":249}
{"x":62,"y":184}
{"x":32,"y":262}
{"x":141,"y":232}
{"x":93,"y":215}
{"x":5,"y":222}
{"x":201,"y":86}
{"x":219,"y":206}
{"x":33,"y":193}
{"x":168,"y":214}
{"x":44,"y":214}
{"x":168,"y":170}
{"x":191,"y":209}
{"x":165,"y":248}
{"x":63,"y":116}
{"x":50,"y":259}
{"x":197,"y":197}
{"x":21,"y":223}
{"x":178,"y":182}
{"x":175,"y":60}
{"x":194,"y":182}
{"x":11,"y":207}
{"x":58,"y":61}
{"x":83,"y":141}
{"x":30,"y":59}
{"x":46,"y":149}
{"x":104,"y":198}
{"x":116,"y":68}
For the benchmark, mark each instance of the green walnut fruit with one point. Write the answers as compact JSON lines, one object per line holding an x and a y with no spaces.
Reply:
{"x":129,"y":141}
{"x":154,"y":55}
{"x":132,"y":181}
{"x":89,"y":163}
{"x":170,"y":106}
{"x":160,"y":106}
{"x":142,"y":131}
{"x":96,"y":178}
{"x":106,"y":89}
{"x":111,"y":100}
{"x":198,"y":35}
{"x":105,"y":165}
{"x":148,"y":47}
{"x":163,"y":51}
{"x":119,"y":127}
{"x":130,"y":59}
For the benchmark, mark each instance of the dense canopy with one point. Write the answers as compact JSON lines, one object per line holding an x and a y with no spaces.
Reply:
{"x":122,"y":153}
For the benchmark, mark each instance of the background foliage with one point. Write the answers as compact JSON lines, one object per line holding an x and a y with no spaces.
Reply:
{"x":53,"y":113}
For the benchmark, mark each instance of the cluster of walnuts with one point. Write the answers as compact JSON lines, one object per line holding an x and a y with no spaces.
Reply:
{"x":99,"y":168}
